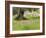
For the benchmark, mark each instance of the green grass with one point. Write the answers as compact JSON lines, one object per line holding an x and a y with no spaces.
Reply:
{"x":32,"y":24}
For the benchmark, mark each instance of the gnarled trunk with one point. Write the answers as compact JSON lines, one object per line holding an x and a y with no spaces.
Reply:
{"x":21,"y":14}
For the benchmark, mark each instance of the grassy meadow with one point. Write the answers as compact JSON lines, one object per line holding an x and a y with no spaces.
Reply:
{"x":33,"y":23}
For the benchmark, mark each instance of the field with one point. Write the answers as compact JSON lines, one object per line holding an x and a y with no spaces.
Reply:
{"x":33,"y":23}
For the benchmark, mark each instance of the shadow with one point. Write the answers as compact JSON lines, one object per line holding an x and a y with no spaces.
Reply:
{"x":19,"y":18}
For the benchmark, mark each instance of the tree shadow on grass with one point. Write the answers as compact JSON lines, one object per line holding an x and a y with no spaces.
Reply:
{"x":21,"y":18}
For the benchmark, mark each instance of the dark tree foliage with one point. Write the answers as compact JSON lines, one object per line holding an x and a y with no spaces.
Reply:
{"x":15,"y":10}
{"x":20,"y":11}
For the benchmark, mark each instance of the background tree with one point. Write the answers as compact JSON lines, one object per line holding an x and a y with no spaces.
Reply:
{"x":20,"y":11}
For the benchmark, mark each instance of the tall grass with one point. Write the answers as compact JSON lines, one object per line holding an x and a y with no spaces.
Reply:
{"x":32,"y":24}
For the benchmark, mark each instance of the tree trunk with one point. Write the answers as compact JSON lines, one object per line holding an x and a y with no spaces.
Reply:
{"x":21,"y":14}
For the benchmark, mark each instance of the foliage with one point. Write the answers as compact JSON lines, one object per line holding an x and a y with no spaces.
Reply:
{"x":16,"y":10}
